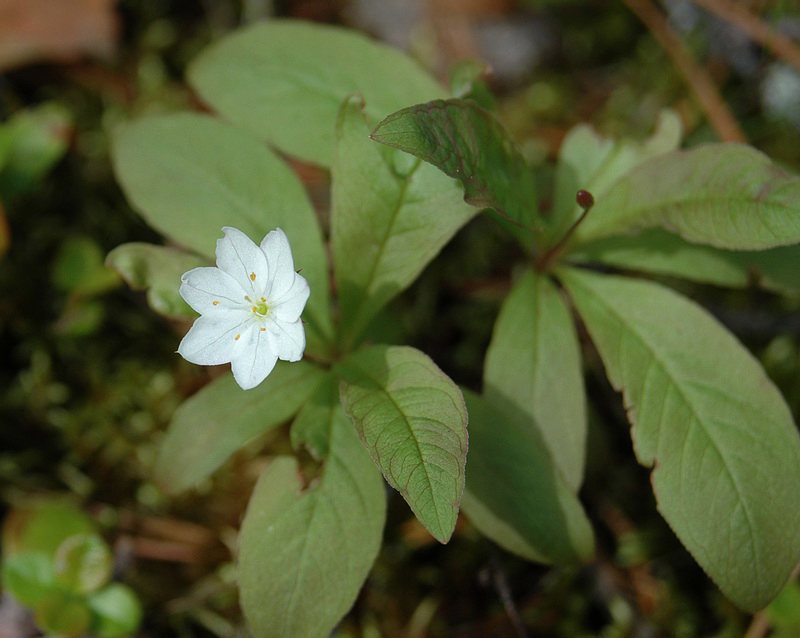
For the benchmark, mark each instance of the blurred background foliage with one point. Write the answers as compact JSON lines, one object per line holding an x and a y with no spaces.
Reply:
{"x":90,"y":379}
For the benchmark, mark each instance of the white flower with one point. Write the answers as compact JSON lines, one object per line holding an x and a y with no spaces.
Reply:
{"x":250,"y":307}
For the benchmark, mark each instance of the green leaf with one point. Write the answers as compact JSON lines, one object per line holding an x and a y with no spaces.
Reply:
{"x":285,"y":80}
{"x":63,"y":614}
{"x":222,"y":417}
{"x":412,"y":419}
{"x":157,"y":269}
{"x":467,"y":82}
{"x":116,"y":610}
{"x":468,"y":143}
{"x":83,"y":563}
{"x":391,"y":214}
{"x":515,"y":494}
{"x":725,"y":452}
{"x":592,"y":162}
{"x":79,"y":268}
{"x":724,"y":195}
{"x":42,"y":525}
{"x":33,"y":141}
{"x":311,"y":427}
{"x":304,"y":554}
{"x":28,"y":576}
{"x":534,"y":363}
{"x":658,"y":252}
{"x":189,"y":175}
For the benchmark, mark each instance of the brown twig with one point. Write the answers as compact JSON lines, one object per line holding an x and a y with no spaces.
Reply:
{"x":715,"y":108}
{"x":780,"y":45}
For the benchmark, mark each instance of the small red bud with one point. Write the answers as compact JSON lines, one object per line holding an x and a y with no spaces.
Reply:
{"x":584,"y":199}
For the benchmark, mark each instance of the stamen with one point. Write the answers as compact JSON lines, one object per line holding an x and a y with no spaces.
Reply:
{"x":263,"y":329}
{"x":215,"y":303}
{"x":264,"y":299}
{"x":252,"y":276}
{"x":236,"y":338}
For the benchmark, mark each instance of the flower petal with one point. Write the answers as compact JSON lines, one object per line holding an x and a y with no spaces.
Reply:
{"x":208,"y":289}
{"x":289,"y":306}
{"x":239,"y":256}
{"x":253,"y":358}
{"x":278,"y":253}
{"x":210,"y":340}
{"x":287,"y":340}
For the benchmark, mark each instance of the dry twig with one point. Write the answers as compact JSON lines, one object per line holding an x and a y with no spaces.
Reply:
{"x":715,"y":108}
{"x":739,"y":15}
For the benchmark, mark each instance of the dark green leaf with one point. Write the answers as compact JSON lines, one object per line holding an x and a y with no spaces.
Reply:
{"x":515,"y":494}
{"x":391,"y":216}
{"x":725,"y":453}
{"x":285,"y":80}
{"x":222,"y":417}
{"x":412,"y":419}
{"x":468,"y":143}
{"x":534,"y":363}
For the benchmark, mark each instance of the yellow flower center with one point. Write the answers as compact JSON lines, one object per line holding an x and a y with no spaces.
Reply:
{"x":259,"y":307}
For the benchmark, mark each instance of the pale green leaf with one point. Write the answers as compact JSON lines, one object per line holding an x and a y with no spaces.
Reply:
{"x":28,"y":576}
{"x":725,"y":453}
{"x":468,"y":143}
{"x":515,"y":494}
{"x":305,"y":553}
{"x":157,"y":269}
{"x":391,"y":216}
{"x":593,"y":163}
{"x":83,"y":563}
{"x":412,"y":419}
{"x":534,"y":363}
{"x":658,"y":252}
{"x":221,"y":418}
{"x":116,"y":611}
{"x":724,"y":195}
{"x":189,"y":175}
{"x":284,"y":80}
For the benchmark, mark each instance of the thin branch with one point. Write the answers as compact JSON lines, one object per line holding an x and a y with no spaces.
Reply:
{"x":715,"y":108}
{"x":768,"y":37}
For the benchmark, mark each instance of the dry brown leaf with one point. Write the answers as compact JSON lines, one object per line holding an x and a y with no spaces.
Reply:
{"x":55,"y":30}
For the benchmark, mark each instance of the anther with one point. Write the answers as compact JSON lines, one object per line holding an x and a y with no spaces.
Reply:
{"x":236,"y":338}
{"x":252,"y":276}
{"x":215,"y":303}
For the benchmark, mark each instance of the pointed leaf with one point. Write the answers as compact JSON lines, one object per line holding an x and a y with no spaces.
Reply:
{"x":284,"y":80}
{"x":412,"y":419}
{"x":468,"y":143}
{"x":658,"y":252}
{"x":157,"y":269}
{"x":534,"y":363}
{"x":221,"y":418}
{"x":515,"y":494}
{"x":189,"y":175}
{"x":725,"y":452}
{"x":383,"y":234}
{"x":725,"y":195}
{"x":592,"y":162}
{"x":304,"y":554}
